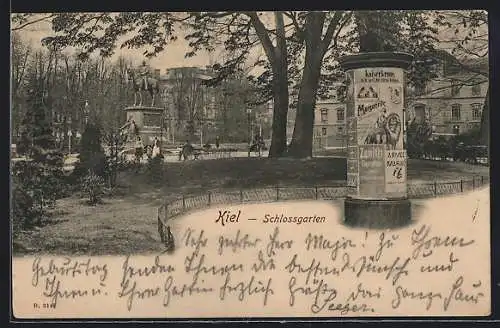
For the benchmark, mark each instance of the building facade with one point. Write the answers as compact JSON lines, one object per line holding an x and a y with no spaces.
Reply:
{"x":453,"y":102}
{"x":329,"y":125}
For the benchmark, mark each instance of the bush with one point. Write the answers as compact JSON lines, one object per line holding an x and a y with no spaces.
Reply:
{"x":154,"y":169}
{"x":24,"y":212}
{"x":93,"y":186}
{"x":41,"y":180}
{"x":92,"y":155}
{"x":115,"y":159}
{"x":36,"y":185}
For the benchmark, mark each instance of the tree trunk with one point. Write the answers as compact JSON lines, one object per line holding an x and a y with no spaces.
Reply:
{"x":280,"y":112}
{"x":279,"y":64}
{"x":485,"y":121}
{"x":301,"y":146}
{"x":302,"y":139}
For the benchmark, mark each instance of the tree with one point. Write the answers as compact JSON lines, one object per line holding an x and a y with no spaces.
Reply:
{"x":20,"y":58}
{"x":37,"y":181}
{"x":316,"y":47}
{"x":92,"y":155}
{"x":296,"y":45}
{"x":470,"y":41}
{"x":235,"y":96}
{"x":314,"y":41}
{"x":238,"y":33}
{"x":36,"y":133}
{"x":186,"y":93}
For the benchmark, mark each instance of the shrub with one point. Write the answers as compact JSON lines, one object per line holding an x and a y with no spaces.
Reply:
{"x":36,"y":185}
{"x":92,"y":155}
{"x":154,"y":169}
{"x":43,"y":181}
{"x":93,"y":186}
{"x":24,"y":212}
{"x":115,"y":159}
{"x":37,"y":181}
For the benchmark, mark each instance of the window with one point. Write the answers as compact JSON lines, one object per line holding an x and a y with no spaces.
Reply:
{"x":476,"y":90}
{"x":340,"y":114}
{"x":456,"y":129}
{"x":476,"y":111}
{"x":340,"y":129}
{"x":324,"y":115}
{"x":455,"y":88}
{"x":455,"y":112}
{"x":323,"y":131}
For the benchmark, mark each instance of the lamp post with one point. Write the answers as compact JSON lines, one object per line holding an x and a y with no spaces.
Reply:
{"x":70,"y":133}
{"x":249,"y":113}
{"x":58,"y":139}
{"x":86,"y":111}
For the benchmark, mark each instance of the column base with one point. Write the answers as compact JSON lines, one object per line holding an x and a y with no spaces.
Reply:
{"x":377,"y":214}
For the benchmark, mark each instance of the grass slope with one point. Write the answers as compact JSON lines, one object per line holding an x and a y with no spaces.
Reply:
{"x":126,"y":224}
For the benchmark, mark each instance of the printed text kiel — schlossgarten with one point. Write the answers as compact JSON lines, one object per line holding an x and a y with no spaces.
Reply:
{"x":268,"y":218}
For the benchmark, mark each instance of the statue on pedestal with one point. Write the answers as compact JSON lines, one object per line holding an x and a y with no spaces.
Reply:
{"x":142,"y":81}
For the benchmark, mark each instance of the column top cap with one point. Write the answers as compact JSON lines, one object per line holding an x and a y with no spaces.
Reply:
{"x":376,"y":59}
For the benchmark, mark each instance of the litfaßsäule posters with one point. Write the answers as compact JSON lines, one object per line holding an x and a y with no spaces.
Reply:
{"x":379,"y":113}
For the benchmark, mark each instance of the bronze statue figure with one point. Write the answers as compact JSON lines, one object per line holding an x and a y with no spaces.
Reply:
{"x":143,"y":82}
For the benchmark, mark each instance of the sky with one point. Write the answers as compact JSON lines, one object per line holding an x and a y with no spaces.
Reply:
{"x":172,"y":56}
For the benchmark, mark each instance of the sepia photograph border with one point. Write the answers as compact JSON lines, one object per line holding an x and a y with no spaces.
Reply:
{"x":494,"y":59}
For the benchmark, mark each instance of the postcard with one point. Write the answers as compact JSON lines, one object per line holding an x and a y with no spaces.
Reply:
{"x":200,"y":165}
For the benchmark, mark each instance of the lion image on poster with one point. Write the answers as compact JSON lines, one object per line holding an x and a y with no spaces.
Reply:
{"x":387,"y":130}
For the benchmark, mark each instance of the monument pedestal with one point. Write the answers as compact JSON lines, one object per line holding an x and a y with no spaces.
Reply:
{"x":377,"y":214}
{"x":148,"y":121}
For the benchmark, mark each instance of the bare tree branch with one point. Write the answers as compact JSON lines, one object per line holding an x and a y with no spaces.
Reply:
{"x":263,"y":35}
{"x":20,"y":27}
{"x":334,"y":22}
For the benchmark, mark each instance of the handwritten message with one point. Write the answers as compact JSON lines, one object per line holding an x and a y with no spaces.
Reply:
{"x":248,"y":267}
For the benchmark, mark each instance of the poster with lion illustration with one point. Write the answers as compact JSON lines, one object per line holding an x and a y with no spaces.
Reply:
{"x":379,"y":112}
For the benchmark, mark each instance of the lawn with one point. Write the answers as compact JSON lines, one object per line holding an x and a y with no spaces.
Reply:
{"x":126,"y":223}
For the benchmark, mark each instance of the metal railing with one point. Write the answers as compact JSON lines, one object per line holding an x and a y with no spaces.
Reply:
{"x":184,"y":204}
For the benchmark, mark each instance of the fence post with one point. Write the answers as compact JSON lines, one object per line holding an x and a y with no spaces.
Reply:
{"x":160,"y":226}
{"x":473,"y":183}
{"x":435,"y":188}
{"x":461,"y":185}
{"x":183,"y":202}
{"x":316,"y":192}
{"x":209,"y":198}
{"x":166,"y":211}
{"x":277,"y":193}
{"x":241,"y":195}
{"x":482,"y":180}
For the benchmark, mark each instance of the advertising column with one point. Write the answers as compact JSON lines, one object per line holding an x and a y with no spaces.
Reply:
{"x":376,"y":154}
{"x":352,"y":139}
